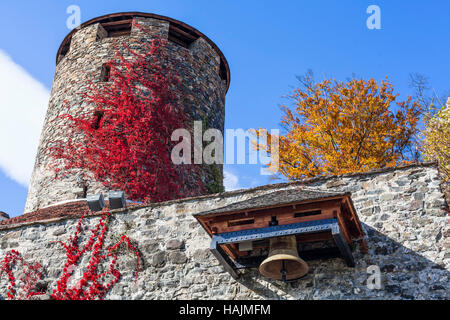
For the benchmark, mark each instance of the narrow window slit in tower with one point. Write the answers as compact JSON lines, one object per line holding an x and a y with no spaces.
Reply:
{"x":117,"y":28}
{"x":105,"y":73}
{"x":98,"y":115}
{"x":181,"y":37}
{"x":64,"y":50}
{"x":85,"y":189}
{"x":222,"y":70}
{"x":66,"y":47}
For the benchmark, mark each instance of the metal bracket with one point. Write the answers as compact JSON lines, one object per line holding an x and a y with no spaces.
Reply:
{"x":342,"y":245}
{"x":276,"y":231}
{"x":223,"y":258}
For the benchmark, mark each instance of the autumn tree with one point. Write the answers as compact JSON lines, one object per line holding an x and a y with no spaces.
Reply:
{"x":437,"y":140}
{"x":338,"y":127}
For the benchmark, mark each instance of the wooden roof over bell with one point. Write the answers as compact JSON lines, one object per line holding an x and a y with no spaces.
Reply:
{"x":284,"y":207}
{"x":276,"y":199}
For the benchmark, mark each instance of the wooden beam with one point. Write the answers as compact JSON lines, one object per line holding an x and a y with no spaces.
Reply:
{"x":262,"y":218}
{"x":343,"y":247}
{"x":116,"y":23}
{"x":354,"y":215}
{"x":277,"y":210}
{"x":178,"y":41}
{"x":223,"y":259}
{"x":342,"y":224}
{"x":181,"y":33}
{"x":301,"y":238}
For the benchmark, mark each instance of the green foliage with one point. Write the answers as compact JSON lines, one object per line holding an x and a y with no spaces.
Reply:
{"x":216,"y":185}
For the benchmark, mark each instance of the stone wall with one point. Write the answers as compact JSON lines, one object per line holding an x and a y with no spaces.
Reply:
{"x":203,"y":99}
{"x":402,"y":211}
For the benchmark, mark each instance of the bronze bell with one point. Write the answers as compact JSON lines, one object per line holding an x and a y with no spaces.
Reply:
{"x":283,"y":262}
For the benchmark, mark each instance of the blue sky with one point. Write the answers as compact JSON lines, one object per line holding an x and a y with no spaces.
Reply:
{"x":267,"y":43}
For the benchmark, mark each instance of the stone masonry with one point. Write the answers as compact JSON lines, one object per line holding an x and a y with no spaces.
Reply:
{"x":199,"y":67}
{"x":402,"y":210}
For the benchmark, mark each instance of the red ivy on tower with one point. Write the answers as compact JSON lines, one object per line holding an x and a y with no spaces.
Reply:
{"x":125,"y":142}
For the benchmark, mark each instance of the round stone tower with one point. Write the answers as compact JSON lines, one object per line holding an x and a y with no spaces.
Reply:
{"x":203,"y":70}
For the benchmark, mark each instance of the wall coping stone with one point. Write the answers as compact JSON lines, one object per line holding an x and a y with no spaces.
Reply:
{"x":226,"y":194}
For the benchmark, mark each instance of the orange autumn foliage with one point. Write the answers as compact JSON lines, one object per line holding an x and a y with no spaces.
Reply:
{"x":340,"y":127}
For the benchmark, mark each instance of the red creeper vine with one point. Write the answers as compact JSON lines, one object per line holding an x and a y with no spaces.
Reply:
{"x":94,"y":283}
{"x":30,"y":274}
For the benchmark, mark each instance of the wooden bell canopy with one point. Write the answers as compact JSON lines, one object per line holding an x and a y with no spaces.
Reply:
{"x":241,"y":229}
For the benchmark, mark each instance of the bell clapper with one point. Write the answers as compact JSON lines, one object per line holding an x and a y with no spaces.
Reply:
{"x":283,"y":271}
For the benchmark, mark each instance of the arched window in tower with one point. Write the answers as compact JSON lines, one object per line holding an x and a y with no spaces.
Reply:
{"x":222,"y":70}
{"x":64,"y":50}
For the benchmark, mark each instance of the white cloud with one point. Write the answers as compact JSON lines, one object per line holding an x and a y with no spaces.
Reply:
{"x":23,"y":103}
{"x":230,"y":181}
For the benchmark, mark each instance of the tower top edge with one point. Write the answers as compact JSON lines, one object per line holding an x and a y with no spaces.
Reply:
{"x":129,"y":15}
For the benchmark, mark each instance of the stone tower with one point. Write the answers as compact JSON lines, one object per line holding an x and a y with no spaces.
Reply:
{"x":204,"y":73}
